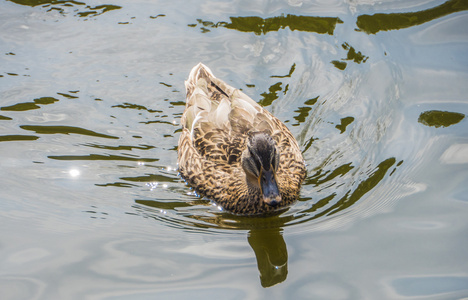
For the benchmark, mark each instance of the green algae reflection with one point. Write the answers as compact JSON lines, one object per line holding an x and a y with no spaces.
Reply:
{"x":17,"y":137}
{"x":90,"y":11}
{"x":43,"y":129}
{"x":271,"y":95}
{"x":43,"y":2}
{"x":352,"y":197}
{"x":437,"y":118}
{"x":301,"y":23}
{"x":30,"y":105}
{"x":258,"y":25}
{"x":95,"y":157}
{"x":352,"y":55}
{"x":344,"y":122}
{"x":303,"y":111}
{"x":382,"y":22}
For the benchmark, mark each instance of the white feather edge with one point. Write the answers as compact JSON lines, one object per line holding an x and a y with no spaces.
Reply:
{"x":201,"y":107}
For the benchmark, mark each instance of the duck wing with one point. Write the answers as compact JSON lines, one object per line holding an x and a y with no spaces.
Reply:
{"x":219,"y":116}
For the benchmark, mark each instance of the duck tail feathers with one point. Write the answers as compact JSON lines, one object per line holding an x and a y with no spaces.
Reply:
{"x":199,"y":71}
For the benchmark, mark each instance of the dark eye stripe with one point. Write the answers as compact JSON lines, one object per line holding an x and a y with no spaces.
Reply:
{"x":256,"y":159}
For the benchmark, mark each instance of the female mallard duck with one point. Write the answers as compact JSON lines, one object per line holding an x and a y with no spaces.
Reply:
{"x":235,"y":152}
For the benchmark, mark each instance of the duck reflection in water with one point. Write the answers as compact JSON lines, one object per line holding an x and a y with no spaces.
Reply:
{"x":264,"y":236}
{"x":272,"y":255}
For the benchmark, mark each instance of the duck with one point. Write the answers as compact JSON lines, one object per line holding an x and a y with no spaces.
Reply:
{"x":234,"y":152}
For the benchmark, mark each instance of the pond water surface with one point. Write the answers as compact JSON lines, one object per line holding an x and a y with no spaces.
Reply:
{"x":91,"y":95}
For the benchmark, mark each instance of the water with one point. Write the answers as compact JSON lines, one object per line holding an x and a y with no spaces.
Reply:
{"x":91,"y":95}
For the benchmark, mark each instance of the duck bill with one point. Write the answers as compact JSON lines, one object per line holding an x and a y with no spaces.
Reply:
{"x":269,"y":186}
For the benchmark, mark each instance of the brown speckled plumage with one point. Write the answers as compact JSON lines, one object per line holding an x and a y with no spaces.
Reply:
{"x":217,"y":122}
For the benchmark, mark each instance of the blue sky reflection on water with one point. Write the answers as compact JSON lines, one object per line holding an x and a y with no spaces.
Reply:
{"x":91,"y":95}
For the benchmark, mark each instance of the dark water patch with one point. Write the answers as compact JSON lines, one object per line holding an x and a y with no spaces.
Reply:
{"x":95,"y":214}
{"x":351,"y":196}
{"x":157,"y":16}
{"x":65,"y":130}
{"x":44,"y":2}
{"x":344,"y":123}
{"x":258,"y":25}
{"x":165,"y":84}
{"x":68,"y":95}
{"x":304,"y":111}
{"x":120,"y":147}
{"x":97,"y":10}
{"x":24,"y":106}
{"x":158,"y":122}
{"x":340,"y":65}
{"x":372,"y":24}
{"x":11,"y":138}
{"x":204,"y":24}
{"x":352,"y":55}
{"x":321,"y":176}
{"x":271,"y":95}
{"x":151,"y":178}
{"x":308,"y":144}
{"x":127,"y":105}
{"x":363,"y":188}
{"x":291,"y":71}
{"x":62,"y":5}
{"x":177,"y":103}
{"x":97,"y":157}
{"x":437,"y":118}
{"x":165,"y":205}
{"x":395,"y":168}
{"x":321,"y":203}
{"x":303,"y":114}
{"x":117,"y":184}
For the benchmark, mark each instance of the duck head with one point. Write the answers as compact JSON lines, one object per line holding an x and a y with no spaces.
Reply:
{"x":260,"y":161}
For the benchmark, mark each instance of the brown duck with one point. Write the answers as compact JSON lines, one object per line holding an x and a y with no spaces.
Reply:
{"x":233,"y":151}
